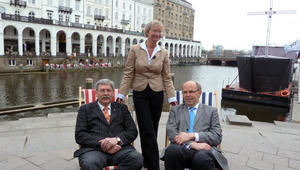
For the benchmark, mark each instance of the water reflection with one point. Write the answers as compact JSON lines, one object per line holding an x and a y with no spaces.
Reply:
{"x":20,"y":89}
{"x":257,"y":112}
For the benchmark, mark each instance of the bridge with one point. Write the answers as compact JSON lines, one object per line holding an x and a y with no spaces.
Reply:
{"x":221,"y":60}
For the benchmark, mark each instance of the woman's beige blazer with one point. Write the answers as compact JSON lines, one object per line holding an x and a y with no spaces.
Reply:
{"x":138,"y":72}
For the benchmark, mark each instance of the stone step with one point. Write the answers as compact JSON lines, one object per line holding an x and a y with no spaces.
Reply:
{"x":239,"y":120}
{"x":62,"y":115}
{"x":294,"y":125}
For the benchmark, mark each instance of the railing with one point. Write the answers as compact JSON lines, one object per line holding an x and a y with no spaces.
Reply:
{"x":89,"y":26}
{"x":99,"y":17}
{"x":61,"y":54}
{"x":125,"y":21}
{"x":26,"y":19}
{"x":100,"y":55}
{"x":18,"y":2}
{"x":76,"y":25}
{"x":65,"y":9}
{"x":63,"y":23}
{"x":29,"y":54}
{"x":11,"y":54}
{"x":84,"y":55}
{"x":46,"y":54}
{"x":109,"y":29}
{"x":133,"y":33}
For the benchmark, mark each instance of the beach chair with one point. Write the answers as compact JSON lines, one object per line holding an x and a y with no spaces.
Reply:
{"x":89,"y":95}
{"x":208,"y":98}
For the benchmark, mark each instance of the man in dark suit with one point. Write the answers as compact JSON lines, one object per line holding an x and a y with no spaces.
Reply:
{"x":195,"y":132}
{"x":105,"y":131}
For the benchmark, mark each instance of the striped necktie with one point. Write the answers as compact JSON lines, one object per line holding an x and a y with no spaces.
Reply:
{"x":192,"y":118}
{"x":106,"y":114}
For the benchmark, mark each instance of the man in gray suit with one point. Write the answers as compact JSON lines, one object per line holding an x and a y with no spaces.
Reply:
{"x":195,"y":132}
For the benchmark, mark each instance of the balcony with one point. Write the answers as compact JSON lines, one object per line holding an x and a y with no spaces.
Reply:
{"x":99,"y":17}
{"x":64,"y":9}
{"x":26,"y":19}
{"x":88,"y":26}
{"x":125,"y":21}
{"x":63,"y":23}
{"x":76,"y":25}
{"x":18,"y":3}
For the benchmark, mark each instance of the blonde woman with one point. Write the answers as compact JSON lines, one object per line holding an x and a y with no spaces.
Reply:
{"x":147,"y":72}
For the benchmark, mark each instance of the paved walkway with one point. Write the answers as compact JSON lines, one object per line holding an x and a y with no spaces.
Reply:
{"x":48,"y":143}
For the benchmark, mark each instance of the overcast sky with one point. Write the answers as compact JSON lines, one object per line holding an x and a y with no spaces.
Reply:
{"x":225,"y":22}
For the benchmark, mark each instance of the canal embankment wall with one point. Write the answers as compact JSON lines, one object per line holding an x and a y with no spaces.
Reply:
{"x":31,"y":64}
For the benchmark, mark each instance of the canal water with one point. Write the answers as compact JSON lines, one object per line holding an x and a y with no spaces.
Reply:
{"x":33,"y":88}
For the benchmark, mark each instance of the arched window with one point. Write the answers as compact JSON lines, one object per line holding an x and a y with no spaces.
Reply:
{"x":17,"y":12}
{"x":31,"y":14}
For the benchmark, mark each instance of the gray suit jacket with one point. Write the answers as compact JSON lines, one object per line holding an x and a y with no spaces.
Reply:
{"x":206,"y":124}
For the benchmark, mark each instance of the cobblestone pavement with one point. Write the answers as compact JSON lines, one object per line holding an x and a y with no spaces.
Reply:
{"x":48,"y":143}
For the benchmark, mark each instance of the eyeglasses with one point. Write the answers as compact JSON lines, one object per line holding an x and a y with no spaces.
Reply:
{"x":189,"y":92}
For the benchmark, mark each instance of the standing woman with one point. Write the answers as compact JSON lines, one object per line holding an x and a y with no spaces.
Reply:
{"x":147,"y":72}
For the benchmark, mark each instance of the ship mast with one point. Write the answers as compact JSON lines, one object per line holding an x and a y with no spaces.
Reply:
{"x":270,"y":14}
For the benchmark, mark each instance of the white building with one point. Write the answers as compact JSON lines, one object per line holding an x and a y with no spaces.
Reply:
{"x":79,"y":28}
{"x":129,"y":15}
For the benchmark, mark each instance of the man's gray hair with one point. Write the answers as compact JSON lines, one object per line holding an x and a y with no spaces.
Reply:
{"x":105,"y":82}
{"x":150,"y":24}
{"x":198,"y":86}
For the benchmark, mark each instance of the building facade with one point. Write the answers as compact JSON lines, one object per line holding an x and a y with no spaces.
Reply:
{"x":83,"y":28}
{"x":177,"y":17}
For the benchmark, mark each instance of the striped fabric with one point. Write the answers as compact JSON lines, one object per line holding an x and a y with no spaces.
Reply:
{"x":90,"y":95}
{"x":206,"y":98}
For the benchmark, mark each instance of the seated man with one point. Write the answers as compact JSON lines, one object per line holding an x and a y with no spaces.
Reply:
{"x":105,"y":131}
{"x":195,"y":132}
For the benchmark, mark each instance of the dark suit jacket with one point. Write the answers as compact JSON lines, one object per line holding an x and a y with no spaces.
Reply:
{"x":91,"y":126}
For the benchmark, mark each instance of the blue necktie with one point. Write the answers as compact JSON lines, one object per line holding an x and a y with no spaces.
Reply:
{"x":192,"y":118}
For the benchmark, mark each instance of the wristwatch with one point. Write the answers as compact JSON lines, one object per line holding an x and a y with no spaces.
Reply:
{"x":118,"y":140}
